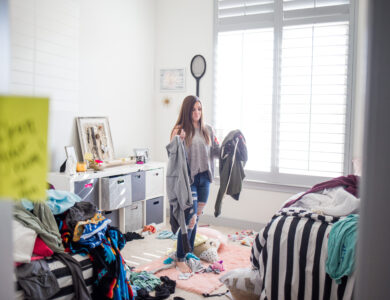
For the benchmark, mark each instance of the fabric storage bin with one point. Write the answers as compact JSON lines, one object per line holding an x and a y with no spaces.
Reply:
{"x":116,"y":192}
{"x":138,"y":186}
{"x":113,"y":215}
{"x":88,"y":190}
{"x":154,"y":183}
{"x":134,"y":216}
{"x":155,"y":210}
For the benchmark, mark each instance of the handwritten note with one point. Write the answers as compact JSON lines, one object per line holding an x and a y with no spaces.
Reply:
{"x":23,"y":147}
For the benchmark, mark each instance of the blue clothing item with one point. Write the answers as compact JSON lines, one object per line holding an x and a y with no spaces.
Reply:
{"x":201,"y":187}
{"x":188,"y":214}
{"x":341,"y":248}
{"x":60,"y":201}
{"x":93,"y":234}
{"x":27,"y":204}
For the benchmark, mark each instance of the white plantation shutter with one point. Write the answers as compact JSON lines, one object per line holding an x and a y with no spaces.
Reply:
{"x":314,"y":65}
{"x":282,"y":77}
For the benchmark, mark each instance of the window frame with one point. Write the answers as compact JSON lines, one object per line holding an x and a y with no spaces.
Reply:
{"x":274,"y":180}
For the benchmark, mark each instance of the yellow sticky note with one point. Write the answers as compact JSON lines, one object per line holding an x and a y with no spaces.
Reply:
{"x":23,"y":147}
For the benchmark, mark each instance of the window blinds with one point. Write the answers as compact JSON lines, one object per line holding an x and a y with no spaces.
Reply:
{"x":314,"y":65}
{"x":240,"y":14}
{"x":292,"y":87}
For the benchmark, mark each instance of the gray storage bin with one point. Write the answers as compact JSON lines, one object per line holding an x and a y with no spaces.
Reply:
{"x":134,"y":216}
{"x":88,"y":190}
{"x":138,"y":186}
{"x":155,"y":210}
{"x":113,"y":215}
{"x":116,"y":192}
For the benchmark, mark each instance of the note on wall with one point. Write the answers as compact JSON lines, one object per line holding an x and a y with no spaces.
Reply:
{"x":23,"y":147}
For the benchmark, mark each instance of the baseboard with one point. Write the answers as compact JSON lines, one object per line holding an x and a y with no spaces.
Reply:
{"x":228,"y":222}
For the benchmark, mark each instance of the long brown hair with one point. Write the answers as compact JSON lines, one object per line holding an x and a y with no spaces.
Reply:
{"x":184,"y":121}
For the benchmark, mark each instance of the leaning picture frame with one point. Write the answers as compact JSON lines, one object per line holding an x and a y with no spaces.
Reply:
{"x":71,"y":153}
{"x":95,"y":137}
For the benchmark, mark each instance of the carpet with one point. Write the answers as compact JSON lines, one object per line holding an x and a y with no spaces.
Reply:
{"x":233,"y":256}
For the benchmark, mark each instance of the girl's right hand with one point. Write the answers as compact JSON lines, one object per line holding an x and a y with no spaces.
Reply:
{"x":182,"y":134}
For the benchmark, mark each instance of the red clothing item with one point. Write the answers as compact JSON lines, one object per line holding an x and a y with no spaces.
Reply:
{"x":41,"y":250}
{"x":349,"y":182}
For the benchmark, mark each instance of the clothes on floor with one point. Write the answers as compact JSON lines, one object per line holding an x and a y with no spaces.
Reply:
{"x":42,"y":221}
{"x":61,"y":201}
{"x":232,"y":160}
{"x":201,"y":154}
{"x":342,"y":247}
{"x":36,"y":280}
{"x":145,"y":280}
{"x":166,"y":234}
{"x":178,"y":188}
{"x":350,"y":184}
{"x":78,"y":283}
{"x":129,"y":236}
{"x":163,"y":291}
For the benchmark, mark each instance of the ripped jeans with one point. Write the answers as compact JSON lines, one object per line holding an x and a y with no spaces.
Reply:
{"x":200,"y":193}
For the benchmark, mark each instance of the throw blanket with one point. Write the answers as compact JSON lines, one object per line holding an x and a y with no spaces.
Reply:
{"x":290,"y":254}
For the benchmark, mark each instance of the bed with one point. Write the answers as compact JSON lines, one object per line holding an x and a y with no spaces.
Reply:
{"x":64,"y":277}
{"x":290,"y":255}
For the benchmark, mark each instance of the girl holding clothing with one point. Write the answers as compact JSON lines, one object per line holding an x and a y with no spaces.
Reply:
{"x":201,"y":148}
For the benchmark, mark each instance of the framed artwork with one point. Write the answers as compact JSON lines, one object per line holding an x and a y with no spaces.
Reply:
{"x":95,"y":137}
{"x":172,"y":80}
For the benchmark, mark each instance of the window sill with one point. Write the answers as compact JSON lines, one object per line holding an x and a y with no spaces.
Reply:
{"x":267,"y":186}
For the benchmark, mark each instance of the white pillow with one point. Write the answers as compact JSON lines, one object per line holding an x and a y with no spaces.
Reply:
{"x":243,"y":279}
{"x":23,"y":242}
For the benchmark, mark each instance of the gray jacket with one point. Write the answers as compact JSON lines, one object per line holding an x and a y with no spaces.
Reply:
{"x":232,"y":160}
{"x":178,"y":188}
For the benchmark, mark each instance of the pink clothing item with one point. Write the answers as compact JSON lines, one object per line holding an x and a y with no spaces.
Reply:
{"x":349,"y":182}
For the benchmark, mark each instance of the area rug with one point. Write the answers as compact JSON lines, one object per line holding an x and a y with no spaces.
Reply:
{"x":233,"y":256}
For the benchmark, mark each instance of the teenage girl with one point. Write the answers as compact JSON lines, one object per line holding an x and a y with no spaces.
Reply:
{"x":202,"y":147}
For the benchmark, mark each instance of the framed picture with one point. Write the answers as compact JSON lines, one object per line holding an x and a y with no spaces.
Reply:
{"x":95,"y":137}
{"x":71,"y":153}
{"x":172,"y":80}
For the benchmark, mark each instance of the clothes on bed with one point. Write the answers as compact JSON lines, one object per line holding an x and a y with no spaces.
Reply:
{"x":342,"y":248}
{"x":36,"y":280}
{"x":81,"y":211}
{"x":350,"y":184}
{"x":42,"y":221}
{"x":333,"y":202}
{"x":79,"y":285}
{"x":61,"y":201}
{"x":290,"y":256}
{"x":178,"y":188}
{"x":233,"y":156}
{"x":23,"y":242}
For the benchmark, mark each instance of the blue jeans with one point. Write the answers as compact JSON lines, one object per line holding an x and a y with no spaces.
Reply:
{"x":200,"y":193}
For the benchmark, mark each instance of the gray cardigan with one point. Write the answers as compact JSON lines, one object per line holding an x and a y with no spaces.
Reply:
{"x":178,"y":188}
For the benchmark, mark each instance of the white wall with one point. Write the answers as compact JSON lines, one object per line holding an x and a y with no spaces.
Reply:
{"x":116,"y":69}
{"x":92,"y":58}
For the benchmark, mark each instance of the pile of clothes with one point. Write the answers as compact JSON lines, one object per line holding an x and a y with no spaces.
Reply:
{"x":64,"y":224}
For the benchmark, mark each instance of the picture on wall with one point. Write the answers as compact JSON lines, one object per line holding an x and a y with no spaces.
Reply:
{"x":95,"y":137}
{"x":172,"y":80}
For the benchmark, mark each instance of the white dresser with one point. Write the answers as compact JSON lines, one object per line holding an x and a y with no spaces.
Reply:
{"x":131,"y":196}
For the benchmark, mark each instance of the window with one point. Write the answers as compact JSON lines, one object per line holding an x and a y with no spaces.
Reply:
{"x":282,"y":77}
